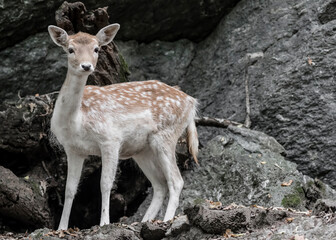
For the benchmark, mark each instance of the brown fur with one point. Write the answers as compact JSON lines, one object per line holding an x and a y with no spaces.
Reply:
{"x":147,"y":96}
{"x":82,"y":38}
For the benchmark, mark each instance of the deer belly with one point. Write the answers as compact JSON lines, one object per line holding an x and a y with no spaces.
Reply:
{"x":85,"y":147}
{"x":133,"y":144}
{"x":80,"y":143}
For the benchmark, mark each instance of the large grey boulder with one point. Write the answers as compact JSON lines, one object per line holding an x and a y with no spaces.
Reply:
{"x":31,"y":63}
{"x":286,"y":50}
{"x":143,"y":20}
{"x":36,"y":65}
{"x":165,"y":61}
{"x":291,"y":76}
{"x":147,"y":20}
{"x":19,"y":19}
{"x":246,"y":167}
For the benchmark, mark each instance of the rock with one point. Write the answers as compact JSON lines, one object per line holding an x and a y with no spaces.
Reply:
{"x":257,"y":222}
{"x":152,"y":231}
{"x":314,"y":190}
{"x":146,"y":21}
{"x":193,"y":234}
{"x":179,"y":225}
{"x":112,"y":231}
{"x":218,"y":221}
{"x":161,"y":19}
{"x":19,"y":19}
{"x":164,"y":61}
{"x":311,"y":228}
{"x":246,"y":167}
{"x":324,"y":206}
{"x":39,"y":233}
{"x":34,"y":66}
{"x":290,"y":82}
{"x":326,"y":12}
{"x":210,"y":220}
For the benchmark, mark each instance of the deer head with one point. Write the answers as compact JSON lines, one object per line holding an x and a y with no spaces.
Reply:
{"x":82,"y":48}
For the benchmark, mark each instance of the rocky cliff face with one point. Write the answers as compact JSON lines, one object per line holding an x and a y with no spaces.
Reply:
{"x":246,"y":167}
{"x":143,"y":20}
{"x":33,"y":64}
{"x":286,"y":50}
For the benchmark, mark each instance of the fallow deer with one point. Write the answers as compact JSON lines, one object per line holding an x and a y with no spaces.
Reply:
{"x":142,"y":120}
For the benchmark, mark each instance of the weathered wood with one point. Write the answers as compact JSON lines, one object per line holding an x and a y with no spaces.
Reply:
{"x":216,"y":122}
{"x":73,"y":18}
{"x":25,"y":123}
{"x":24,"y":199}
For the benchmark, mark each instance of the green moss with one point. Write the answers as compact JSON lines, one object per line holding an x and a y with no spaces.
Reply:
{"x":299,"y":189}
{"x":199,"y":201}
{"x":291,"y":201}
{"x":35,"y":187}
{"x":295,"y":199}
{"x":124,"y":71}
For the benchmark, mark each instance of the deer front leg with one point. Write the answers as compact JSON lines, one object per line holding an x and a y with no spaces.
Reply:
{"x":75,"y":165}
{"x":109,"y":169}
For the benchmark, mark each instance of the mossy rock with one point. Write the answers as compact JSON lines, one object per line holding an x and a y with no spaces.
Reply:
{"x":294,"y":200}
{"x":199,"y":201}
{"x":291,"y":201}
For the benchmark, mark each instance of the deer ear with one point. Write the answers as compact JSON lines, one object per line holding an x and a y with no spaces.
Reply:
{"x":106,"y":34}
{"x":58,"y":35}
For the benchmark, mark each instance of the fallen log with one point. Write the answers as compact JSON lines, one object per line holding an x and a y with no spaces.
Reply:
{"x":24,"y":200}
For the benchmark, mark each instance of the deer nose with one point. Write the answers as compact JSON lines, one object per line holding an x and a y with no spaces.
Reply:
{"x":86,"y":66}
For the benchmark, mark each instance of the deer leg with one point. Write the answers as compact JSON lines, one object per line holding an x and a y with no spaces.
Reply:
{"x":109,"y":169}
{"x":165,"y":152}
{"x":75,"y":165}
{"x":159,"y":194}
{"x":175,"y":184}
{"x":147,"y":162}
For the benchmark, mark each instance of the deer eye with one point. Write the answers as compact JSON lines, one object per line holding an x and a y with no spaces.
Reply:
{"x":96,"y":49}
{"x":71,"y":50}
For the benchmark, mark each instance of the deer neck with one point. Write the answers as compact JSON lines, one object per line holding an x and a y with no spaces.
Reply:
{"x":70,"y":97}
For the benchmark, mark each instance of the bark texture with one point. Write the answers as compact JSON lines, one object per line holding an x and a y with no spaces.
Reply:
{"x":24,"y":200}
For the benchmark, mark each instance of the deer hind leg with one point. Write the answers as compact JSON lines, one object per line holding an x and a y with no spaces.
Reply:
{"x":75,"y":165}
{"x":165,"y":151}
{"x":175,"y":184}
{"x":147,"y":161}
{"x":109,"y":168}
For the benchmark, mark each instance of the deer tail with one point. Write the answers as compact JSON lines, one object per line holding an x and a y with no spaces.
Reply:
{"x":192,"y":140}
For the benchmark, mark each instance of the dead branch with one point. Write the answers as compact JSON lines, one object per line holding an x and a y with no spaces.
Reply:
{"x":247,"y":122}
{"x":216,"y":122}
